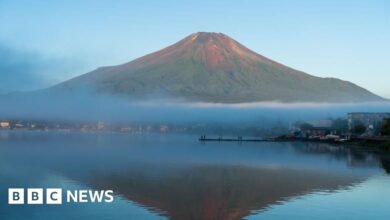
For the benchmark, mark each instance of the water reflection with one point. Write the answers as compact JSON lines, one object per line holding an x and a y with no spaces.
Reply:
{"x":385,"y":163}
{"x":217,"y":192}
{"x":354,"y":157}
{"x":179,"y":178}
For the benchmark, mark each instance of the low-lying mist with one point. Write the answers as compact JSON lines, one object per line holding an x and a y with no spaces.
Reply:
{"x":85,"y":107}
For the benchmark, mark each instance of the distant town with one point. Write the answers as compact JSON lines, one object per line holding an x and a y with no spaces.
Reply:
{"x":358,"y":128}
{"x":356,"y":125}
{"x":43,"y":125}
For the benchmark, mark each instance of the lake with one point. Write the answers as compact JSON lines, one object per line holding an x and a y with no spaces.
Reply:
{"x":171,"y":176}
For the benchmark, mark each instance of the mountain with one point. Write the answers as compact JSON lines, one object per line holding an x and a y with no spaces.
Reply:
{"x":212,"y":67}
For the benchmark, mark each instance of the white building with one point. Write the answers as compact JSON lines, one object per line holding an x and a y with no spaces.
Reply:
{"x":4,"y":124}
{"x":372,"y":121}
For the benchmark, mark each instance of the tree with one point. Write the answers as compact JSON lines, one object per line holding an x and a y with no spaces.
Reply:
{"x":386,"y":127}
{"x":305,"y":126}
{"x":340,"y":125}
{"x":359,"y":129}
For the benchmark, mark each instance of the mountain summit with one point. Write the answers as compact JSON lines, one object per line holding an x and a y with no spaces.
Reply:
{"x":212,"y":67}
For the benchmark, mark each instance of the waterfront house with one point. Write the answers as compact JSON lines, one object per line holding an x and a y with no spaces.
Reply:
{"x":4,"y":124}
{"x":371,"y":121}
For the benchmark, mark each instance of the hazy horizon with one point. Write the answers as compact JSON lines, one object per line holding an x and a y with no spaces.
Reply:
{"x":83,"y":106}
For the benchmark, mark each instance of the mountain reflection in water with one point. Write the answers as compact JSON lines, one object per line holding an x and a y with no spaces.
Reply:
{"x":180,"y":178}
{"x":218,"y":192}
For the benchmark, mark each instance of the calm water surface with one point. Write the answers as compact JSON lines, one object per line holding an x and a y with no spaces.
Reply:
{"x":177,"y":177}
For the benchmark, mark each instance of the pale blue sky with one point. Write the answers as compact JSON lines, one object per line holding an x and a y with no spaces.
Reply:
{"x":45,"y":42}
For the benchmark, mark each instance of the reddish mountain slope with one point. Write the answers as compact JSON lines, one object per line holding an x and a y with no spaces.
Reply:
{"x":213,"y":67}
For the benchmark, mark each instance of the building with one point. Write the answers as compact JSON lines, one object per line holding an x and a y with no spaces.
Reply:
{"x":372,"y":121}
{"x":318,"y":129}
{"x":101,"y":125}
{"x":320,"y":123}
{"x":4,"y":124}
{"x":164,"y":128}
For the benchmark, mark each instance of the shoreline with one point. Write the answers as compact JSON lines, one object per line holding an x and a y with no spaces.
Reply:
{"x":382,"y":144}
{"x":378,"y":144}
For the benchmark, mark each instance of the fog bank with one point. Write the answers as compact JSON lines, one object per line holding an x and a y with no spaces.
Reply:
{"x":76,"y":106}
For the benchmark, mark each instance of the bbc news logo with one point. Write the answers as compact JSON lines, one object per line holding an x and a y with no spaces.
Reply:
{"x":54,"y":196}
